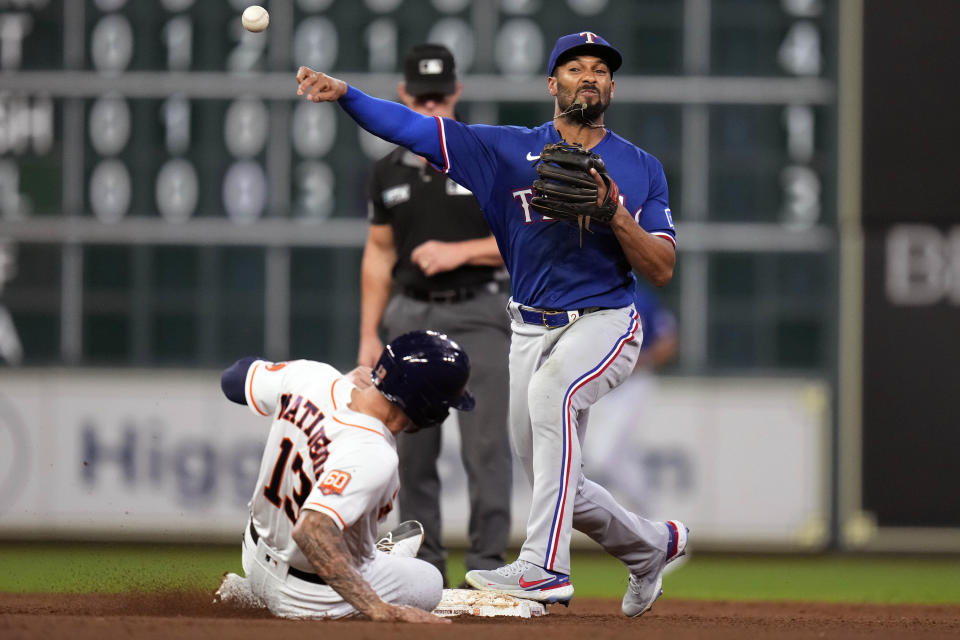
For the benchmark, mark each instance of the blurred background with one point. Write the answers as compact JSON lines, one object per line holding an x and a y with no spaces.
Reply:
{"x":168,"y":205}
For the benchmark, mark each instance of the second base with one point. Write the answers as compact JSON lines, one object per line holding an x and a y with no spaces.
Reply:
{"x":488,"y":604}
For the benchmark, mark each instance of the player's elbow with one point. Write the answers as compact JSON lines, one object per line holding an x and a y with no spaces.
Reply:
{"x":319,"y":539}
{"x":660,"y":269}
{"x":310,"y":527}
{"x":662,"y":276}
{"x":658,"y":273}
{"x":300,"y":534}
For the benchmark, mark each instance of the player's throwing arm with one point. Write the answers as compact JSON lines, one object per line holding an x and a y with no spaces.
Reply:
{"x":319,"y":87}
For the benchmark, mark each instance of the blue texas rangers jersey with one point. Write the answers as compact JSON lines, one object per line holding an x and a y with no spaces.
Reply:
{"x":549,"y":268}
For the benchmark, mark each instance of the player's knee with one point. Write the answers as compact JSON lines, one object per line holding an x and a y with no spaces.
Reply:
{"x":545,"y":399}
{"x":545,"y":386}
{"x":428,"y":589}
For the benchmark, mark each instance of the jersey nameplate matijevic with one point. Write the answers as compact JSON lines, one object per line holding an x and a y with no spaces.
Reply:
{"x":305,"y":415}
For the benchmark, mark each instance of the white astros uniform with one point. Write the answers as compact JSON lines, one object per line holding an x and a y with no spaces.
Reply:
{"x":323,"y":456}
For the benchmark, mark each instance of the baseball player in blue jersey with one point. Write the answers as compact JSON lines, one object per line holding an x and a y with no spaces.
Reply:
{"x":575,"y":331}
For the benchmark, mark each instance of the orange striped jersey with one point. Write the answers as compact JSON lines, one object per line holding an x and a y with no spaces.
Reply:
{"x":320,"y":455}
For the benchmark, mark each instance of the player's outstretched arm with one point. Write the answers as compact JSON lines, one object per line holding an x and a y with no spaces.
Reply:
{"x":319,"y":87}
{"x":321,"y":541}
{"x":385,"y":119}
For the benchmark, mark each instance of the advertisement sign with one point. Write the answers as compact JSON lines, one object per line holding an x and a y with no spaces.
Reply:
{"x":140,"y":455}
{"x":904,"y":496}
{"x":910,"y":437}
{"x":124,"y":455}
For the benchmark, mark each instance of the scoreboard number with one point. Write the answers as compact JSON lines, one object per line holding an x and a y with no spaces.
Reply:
{"x":799,"y":55}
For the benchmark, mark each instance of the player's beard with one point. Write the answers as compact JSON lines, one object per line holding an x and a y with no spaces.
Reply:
{"x":595,"y":107}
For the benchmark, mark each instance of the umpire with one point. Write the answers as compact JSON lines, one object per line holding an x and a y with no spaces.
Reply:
{"x":429,"y":245}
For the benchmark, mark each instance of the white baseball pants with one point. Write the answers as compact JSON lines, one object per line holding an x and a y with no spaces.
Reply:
{"x":400,"y":581}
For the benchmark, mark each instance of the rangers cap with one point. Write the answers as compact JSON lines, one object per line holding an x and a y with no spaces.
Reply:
{"x":429,"y":68}
{"x":586,"y":42}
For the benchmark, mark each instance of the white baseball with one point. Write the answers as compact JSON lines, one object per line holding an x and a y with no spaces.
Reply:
{"x":255,"y":18}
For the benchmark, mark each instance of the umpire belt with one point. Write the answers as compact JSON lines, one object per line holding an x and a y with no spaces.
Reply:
{"x":291,"y":571}
{"x":458,"y":294}
{"x":552,"y":319}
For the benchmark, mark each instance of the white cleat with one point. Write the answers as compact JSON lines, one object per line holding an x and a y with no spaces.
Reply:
{"x":643,"y":590}
{"x":404,"y":541}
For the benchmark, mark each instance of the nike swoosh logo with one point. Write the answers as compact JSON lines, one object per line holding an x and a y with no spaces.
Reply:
{"x":535,"y":583}
{"x":531,"y":157}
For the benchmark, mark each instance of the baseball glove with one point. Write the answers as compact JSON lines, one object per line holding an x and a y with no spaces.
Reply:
{"x":565,"y":189}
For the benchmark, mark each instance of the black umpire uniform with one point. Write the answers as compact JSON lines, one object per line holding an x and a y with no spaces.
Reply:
{"x":421,"y":203}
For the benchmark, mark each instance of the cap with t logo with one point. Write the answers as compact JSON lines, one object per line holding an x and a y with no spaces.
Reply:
{"x":585,"y":42}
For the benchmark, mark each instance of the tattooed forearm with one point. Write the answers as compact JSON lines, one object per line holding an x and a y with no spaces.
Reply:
{"x":322,"y":542}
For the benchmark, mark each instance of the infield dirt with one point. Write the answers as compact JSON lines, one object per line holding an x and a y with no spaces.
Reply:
{"x":191,"y":616}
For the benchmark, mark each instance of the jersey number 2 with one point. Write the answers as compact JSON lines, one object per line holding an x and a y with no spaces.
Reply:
{"x":272,"y":491}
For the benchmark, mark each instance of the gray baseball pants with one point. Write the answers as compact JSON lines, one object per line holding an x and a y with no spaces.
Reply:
{"x":480,"y":326}
{"x":555,"y":376}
